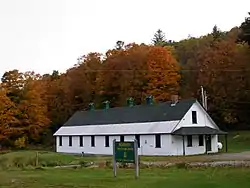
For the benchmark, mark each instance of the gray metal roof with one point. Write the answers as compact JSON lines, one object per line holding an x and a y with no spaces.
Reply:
{"x":135,"y":114}
{"x":197,"y":131}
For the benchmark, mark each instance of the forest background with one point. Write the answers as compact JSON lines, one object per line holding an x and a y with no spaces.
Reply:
{"x":34,"y":106}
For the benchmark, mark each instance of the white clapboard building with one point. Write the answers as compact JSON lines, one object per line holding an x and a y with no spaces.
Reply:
{"x":177,"y":127}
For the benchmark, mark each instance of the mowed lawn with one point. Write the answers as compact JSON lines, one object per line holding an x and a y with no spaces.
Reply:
{"x":237,"y":142}
{"x":149,"y":178}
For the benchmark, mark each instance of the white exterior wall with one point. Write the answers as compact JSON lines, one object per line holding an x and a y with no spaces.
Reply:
{"x":202,"y":119}
{"x":170,"y":145}
{"x":214,"y":144}
{"x":147,"y":145}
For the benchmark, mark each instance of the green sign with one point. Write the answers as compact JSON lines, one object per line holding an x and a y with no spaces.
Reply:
{"x":125,"y":152}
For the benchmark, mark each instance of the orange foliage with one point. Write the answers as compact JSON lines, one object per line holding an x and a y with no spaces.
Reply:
{"x":124,"y":74}
{"x":163,"y":76}
{"x":7,"y":118}
{"x":221,"y":74}
{"x":34,"y":117}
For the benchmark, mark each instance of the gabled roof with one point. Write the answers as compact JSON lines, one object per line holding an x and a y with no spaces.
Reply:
{"x":136,"y":114}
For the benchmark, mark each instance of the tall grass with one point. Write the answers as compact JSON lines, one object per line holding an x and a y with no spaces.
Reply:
{"x":23,"y":159}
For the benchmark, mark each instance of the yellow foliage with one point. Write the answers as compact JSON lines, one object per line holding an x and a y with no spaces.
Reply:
{"x":20,"y":142}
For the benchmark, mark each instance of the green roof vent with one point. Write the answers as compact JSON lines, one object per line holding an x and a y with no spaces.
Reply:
{"x":106,"y":104}
{"x":149,"y":100}
{"x":130,"y":102}
{"x":91,"y":106}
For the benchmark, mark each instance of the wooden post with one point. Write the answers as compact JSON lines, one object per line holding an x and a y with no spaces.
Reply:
{"x":37,"y":159}
{"x":206,"y":143}
{"x":183,"y":143}
{"x":114,"y":160}
{"x":226,"y":142}
{"x":136,"y":159}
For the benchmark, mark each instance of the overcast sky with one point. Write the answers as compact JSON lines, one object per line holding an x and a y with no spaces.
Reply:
{"x":46,"y":35}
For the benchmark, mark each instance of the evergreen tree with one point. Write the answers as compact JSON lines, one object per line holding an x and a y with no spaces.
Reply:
{"x":159,"y":38}
{"x":244,"y":35}
{"x":216,"y":32}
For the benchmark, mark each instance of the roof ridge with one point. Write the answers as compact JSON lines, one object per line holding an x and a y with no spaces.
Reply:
{"x":139,"y":105}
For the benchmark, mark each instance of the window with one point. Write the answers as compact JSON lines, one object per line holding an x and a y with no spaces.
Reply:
{"x":60,"y":140}
{"x":92,"y":141}
{"x":121,"y":138}
{"x":70,"y":140}
{"x":106,"y":141}
{"x":81,"y":141}
{"x":201,"y":140}
{"x":158,"y":141}
{"x":137,"y":137}
{"x":189,"y":141}
{"x":194,"y":117}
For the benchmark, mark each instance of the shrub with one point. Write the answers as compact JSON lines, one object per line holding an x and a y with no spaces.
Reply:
{"x":181,"y":165}
{"x":108,"y":164}
{"x":83,"y":163}
{"x":20,"y":142}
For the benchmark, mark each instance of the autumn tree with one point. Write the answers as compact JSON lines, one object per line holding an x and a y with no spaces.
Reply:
{"x":27,"y":94}
{"x":83,"y":79}
{"x":59,"y":102}
{"x":124,"y":74}
{"x":73,"y":90}
{"x":13,"y":82}
{"x":188,"y":53}
{"x":34,"y":115}
{"x":221,"y":74}
{"x":9,"y":130}
{"x":163,"y":75}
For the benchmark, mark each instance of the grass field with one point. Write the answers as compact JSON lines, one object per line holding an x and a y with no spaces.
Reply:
{"x":149,"y":178}
{"x":237,"y":142}
{"x":28,"y":159}
{"x":18,"y":169}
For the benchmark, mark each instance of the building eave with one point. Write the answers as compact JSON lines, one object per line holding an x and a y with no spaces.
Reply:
{"x":164,"y":127}
{"x":184,"y":131}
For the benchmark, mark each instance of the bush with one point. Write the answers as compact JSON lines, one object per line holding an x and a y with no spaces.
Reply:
{"x":82,"y":163}
{"x":108,"y":164}
{"x":181,"y":165}
{"x":123,"y":165}
{"x":20,"y":142}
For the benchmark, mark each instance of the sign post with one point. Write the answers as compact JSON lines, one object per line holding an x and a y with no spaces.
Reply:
{"x":136,"y":159}
{"x":126,"y":152}
{"x":114,"y":159}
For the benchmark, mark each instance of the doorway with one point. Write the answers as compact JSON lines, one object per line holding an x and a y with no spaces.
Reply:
{"x":208,"y":143}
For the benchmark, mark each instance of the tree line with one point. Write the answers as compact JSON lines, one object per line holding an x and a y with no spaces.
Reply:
{"x":34,"y":106}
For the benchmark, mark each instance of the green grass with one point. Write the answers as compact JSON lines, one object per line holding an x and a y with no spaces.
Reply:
{"x":26,"y":159}
{"x":45,"y":159}
{"x":237,"y":141}
{"x":149,"y":178}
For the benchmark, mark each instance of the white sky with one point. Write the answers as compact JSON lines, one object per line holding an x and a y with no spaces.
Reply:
{"x":43,"y":35}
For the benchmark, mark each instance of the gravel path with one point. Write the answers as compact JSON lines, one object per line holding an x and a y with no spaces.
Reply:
{"x":230,"y":156}
{"x":224,"y":159}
